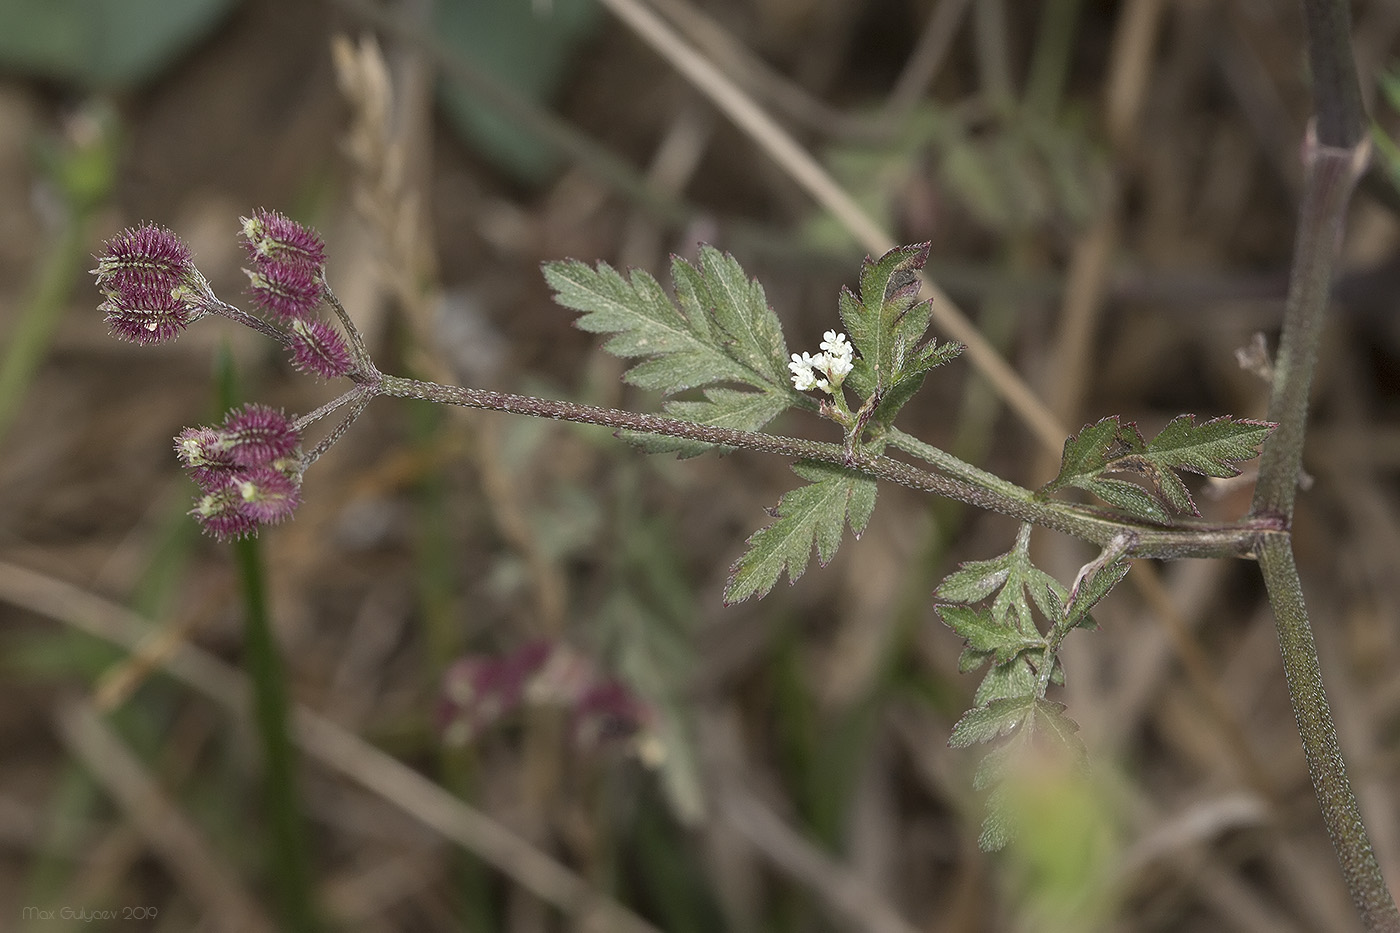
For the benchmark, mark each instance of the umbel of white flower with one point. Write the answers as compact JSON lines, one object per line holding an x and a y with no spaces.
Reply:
{"x":828,"y":369}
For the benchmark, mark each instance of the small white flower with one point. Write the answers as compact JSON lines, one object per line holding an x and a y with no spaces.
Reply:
{"x":835,"y":363}
{"x":803,"y":377}
{"x":840,"y":356}
{"x":837,"y":346}
{"x":838,"y":367}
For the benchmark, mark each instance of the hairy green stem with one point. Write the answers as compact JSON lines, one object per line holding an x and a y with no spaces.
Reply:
{"x":37,"y":319}
{"x":1331,"y":174}
{"x":289,"y":855}
{"x":970,"y":485}
{"x":1340,"y":810}
{"x":955,"y":466}
{"x":1334,"y":156}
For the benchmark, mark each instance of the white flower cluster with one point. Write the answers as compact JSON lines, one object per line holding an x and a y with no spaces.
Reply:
{"x":828,"y":369}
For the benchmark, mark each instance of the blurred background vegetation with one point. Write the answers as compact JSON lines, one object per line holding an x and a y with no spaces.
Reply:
{"x":1110,"y":192}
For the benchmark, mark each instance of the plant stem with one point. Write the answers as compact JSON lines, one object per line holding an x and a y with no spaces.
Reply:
{"x":1340,"y":810}
{"x":39,"y":316}
{"x":1185,"y":539}
{"x":290,"y":862}
{"x":955,"y":466}
{"x":1334,"y":156}
{"x":1331,"y":174}
{"x":1341,"y":116}
{"x":81,"y":171}
{"x":359,"y":397}
{"x":290,"y":858}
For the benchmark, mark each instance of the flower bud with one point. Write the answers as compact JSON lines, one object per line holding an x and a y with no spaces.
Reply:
{"x":152,"y":287}
{"x":222,"y":515}
{"x":256,"y":435}
{"x":203,"y":453}
{"x":274,"y":239}
{"x":318,"y":348}
{"x":147,"y":313}
{"x":289,"y":292}
{"x":607,"y":711}
{"x":268,"y":494}
{"x":148,"y":255}
{"x":237,"y":499}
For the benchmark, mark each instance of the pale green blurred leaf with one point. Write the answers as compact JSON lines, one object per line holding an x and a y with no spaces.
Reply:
{"x":102,"y":43}
{"x":526,"y":46}
{"x":985,"y":723}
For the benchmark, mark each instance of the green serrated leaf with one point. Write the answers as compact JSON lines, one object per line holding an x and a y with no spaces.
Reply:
{"x":895,"y":398}
{"x":1028,"y":580}
{"x":1008,"y":804}
{"x":999,"y":825}
{"x":1092,"y":591}
{"x":729,"y":408}
{"x":1174,"y":491}
{"x":983,"y":633}
{"x":722,"y":332}
{"x":809,"y":515}
{"x":644,"y":322}
{"x":1015,"y":678}
{"x":934,"y":354}
{"x":1048,"y":594}
{"x":862,"y":380}
{"x":1049,"y":719}
{"x":985,"y":723}
{"x":1210,"y":448}
{"x":971,"y":659}
{"x":1087,"y":454}
{"x":1099,"y":448}
{"x":1040,"y":797}
{"x":740,"y":309}
{"x":693,"y":295}
{"x":1017,"y":583}
{"x":975,"y":580}
{"x":887,"y":321}
{"x":994,"y":766}
{"x":1130,"y":497}
{"x":1010,"y":699}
